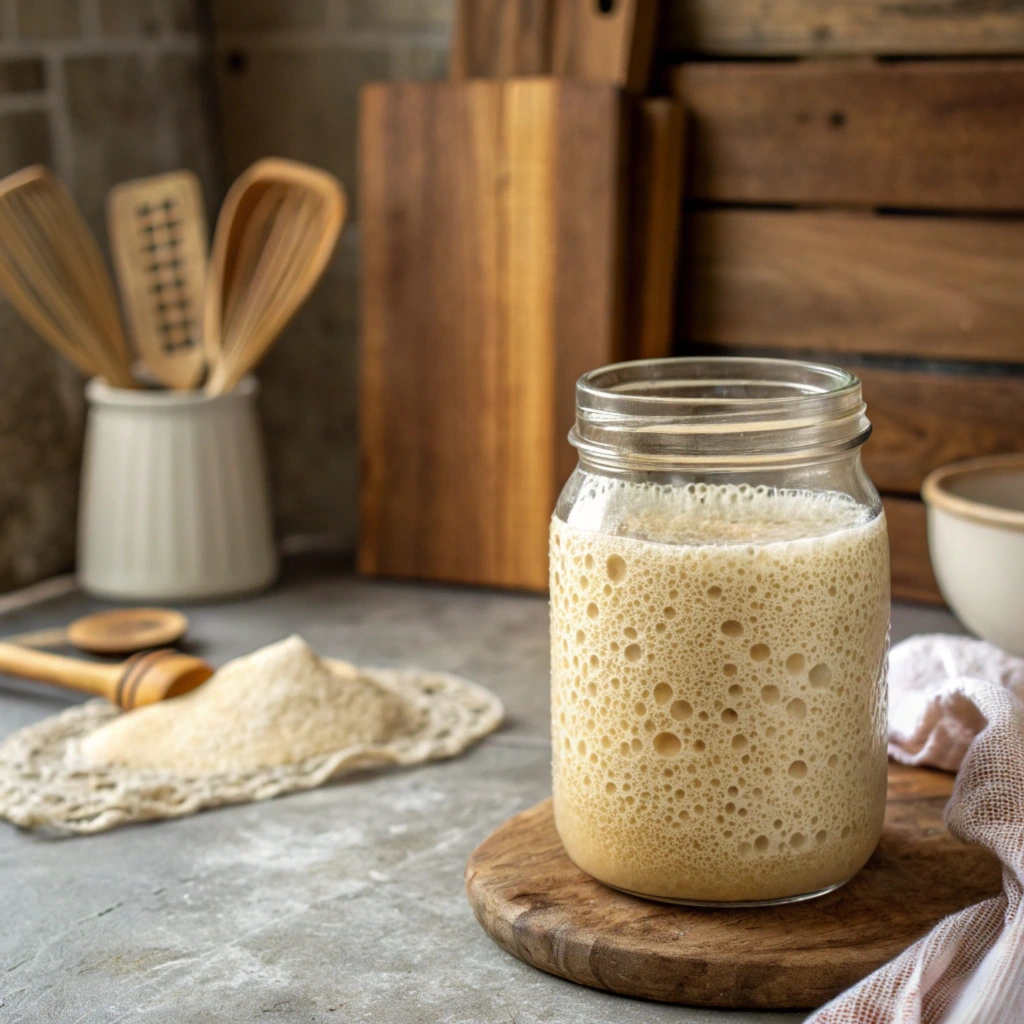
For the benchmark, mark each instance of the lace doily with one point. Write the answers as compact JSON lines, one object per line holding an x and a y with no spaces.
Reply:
{"x":45,"y":782}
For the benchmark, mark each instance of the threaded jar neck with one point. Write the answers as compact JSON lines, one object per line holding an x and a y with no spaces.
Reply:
{"x":666,"y":413}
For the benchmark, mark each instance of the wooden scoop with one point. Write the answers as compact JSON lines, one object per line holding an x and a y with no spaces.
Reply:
{"x":142,"y":679}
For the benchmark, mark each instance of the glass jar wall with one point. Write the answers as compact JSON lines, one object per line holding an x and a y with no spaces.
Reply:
{"x":719,"y":631}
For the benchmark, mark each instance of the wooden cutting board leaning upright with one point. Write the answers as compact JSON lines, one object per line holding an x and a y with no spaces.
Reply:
{"x":492,"y":218}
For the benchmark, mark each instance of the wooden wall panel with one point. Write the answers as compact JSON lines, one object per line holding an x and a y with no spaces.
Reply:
{"x":782,"y":27}
{"x":935,"y":288}
{"x":921,"y":135}
{"x":912,"y":576}
{"x":925,"y":420}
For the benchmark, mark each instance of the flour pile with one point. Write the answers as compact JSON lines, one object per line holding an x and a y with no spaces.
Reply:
{"x":278,"y":706}
{"x":278,"y":720}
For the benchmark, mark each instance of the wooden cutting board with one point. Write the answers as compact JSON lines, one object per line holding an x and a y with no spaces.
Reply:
{"x":656,"y":207}
{"x":605,"y":41}
{"x":501,"y":38}
{"x":506,"y":38}
{"x":539,"y":906}
{"x":492,"y":217}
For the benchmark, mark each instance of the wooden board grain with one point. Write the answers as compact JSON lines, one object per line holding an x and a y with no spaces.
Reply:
{"x":816,"y":281}
{"x":492,"y":221}
{"x":910,"y":564}
{"x":540,"y":907}
{"x":501,"y":38}
{"x":925,"y":420}
{"x":612,"y":42}
{"x":798,"y":27}
{"x":937,"y":134}
{"x":656,"y":207}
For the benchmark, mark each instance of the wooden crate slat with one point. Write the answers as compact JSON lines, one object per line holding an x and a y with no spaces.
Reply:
{"x":796,"y":27}
{"x":912,"y":576}
{"x":925,"y":420}
{"x":935,"y":135}
{"x":934,"y":288}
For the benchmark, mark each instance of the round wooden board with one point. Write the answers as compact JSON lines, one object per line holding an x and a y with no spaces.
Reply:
{"x":535,"y":903}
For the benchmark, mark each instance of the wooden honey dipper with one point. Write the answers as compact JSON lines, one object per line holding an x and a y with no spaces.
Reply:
{"x":144,"y":678}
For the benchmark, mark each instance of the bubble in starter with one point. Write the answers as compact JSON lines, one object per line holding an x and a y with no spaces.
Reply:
{"x":798,"y":770}
{"x":770,"y":694}
{"x":760,"y":652}
{"x":632,"y":652}
{"x":616,"y":566}
{"x":667,"y":744}
{"x":796,"y":708}
{"x":681,"y":710}
{"x":732,"y":628}
{"x":820,"y":675}
{"x":795,"y":664}
{"x":662,"y":693}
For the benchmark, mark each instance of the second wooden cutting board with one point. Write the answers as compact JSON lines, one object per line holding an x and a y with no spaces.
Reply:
{"x":492,"y":218}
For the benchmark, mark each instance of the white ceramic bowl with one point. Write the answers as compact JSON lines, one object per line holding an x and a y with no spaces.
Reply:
{"x":976,"y":540}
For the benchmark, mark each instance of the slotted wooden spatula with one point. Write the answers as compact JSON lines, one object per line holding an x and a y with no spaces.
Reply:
{"x":158,"y":236}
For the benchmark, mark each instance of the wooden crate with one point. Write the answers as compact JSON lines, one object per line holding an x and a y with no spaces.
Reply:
{"x":864,"y":210}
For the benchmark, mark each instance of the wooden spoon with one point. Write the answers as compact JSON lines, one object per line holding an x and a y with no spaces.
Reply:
{"x":142,"y":679}
{"x":119,"y":631}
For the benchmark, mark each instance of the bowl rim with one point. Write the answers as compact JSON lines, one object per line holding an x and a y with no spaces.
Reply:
{"x":936,"y":496}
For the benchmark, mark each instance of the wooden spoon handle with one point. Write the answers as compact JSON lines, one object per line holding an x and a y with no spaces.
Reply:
{"x":84,"y":676}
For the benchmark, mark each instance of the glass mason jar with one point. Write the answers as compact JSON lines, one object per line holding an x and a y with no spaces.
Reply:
{"x":719,"y":632}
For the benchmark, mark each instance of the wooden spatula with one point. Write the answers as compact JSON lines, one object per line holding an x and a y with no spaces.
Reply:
{"x":52,"y":271}
{"x":276,"y":231}
{"x":158,"y":235}
{"x":605,"y":41}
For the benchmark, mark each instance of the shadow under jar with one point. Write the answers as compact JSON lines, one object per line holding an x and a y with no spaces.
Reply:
{"x":719,"y":631}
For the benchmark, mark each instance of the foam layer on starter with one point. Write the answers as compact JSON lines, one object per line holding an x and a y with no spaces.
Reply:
{"x":718,"y":698}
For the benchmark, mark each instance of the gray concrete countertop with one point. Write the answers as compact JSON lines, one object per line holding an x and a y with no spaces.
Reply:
{"x":341,"y":904}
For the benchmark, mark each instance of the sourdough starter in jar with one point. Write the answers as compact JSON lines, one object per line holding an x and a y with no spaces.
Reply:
{"x":718,"y":690}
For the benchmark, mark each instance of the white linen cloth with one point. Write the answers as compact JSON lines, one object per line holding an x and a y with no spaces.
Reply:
{"x":956,"y":703}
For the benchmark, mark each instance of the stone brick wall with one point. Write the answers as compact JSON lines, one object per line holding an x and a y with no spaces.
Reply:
{"x":104,"y":90}
{"x":288,"y":76}
{"x":101,"y":90}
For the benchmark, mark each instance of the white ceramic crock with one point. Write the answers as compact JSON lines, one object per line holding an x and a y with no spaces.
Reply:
{"x":174,"y":502}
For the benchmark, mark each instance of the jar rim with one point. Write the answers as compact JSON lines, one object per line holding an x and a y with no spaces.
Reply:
{"x":717,"y":408}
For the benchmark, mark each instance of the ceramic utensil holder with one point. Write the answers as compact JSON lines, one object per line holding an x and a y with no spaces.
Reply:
{"x":174,"y":502}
